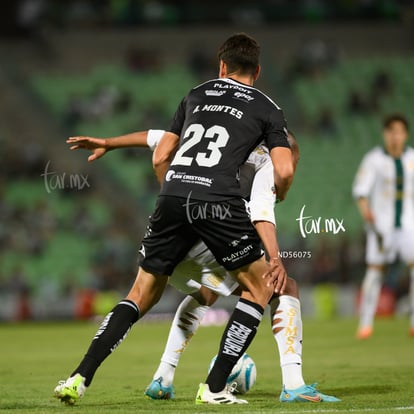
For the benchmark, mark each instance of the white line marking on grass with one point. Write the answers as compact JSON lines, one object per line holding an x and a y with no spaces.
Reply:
{"x":351,"y":410}
{"x":325,"y":410}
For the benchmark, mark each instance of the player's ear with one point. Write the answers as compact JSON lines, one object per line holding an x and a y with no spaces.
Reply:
{"x":257,"y":73}
{"x":222,"y":69}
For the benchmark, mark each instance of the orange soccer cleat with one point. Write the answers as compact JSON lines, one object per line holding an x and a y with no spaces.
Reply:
{"x":364,"y":333}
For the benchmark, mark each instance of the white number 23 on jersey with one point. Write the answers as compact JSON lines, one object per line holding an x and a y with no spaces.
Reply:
{"x":192,"y":136}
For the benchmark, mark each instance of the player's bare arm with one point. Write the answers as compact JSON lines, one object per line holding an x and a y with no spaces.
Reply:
{"x":100,"y":146}
{"x":164,"y":153}
{"x":365,"y":209}
{"x":267,"y":233}
{"x":283,"y":170}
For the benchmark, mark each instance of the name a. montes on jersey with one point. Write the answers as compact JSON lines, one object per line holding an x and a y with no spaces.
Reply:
{"x":219,"y":108}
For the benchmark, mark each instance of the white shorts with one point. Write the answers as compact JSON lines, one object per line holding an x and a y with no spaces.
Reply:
{"x":200,"y":268}
{"x":398,"y":243}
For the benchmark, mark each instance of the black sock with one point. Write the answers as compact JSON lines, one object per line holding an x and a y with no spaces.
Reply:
{"x":111,"y":333}
{"x":239,"y":333}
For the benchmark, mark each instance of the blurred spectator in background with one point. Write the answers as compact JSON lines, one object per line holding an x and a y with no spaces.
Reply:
{"x":313,"y":58}
{"x":382,"y":83}
{"x":142,"y":60}
{"x":381,"y":87}
{"x":201,"y":64}
{"x":325,"y":124}
{"x":325,"y":263}
{"x":356,"y":104}
{"x":20,"y":288}
{"x":105,"y":101}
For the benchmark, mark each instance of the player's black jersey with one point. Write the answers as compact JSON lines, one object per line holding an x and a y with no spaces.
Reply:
{"x":219,"y":123}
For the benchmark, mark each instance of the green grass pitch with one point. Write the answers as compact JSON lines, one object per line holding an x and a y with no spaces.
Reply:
{"x":374,"y":376}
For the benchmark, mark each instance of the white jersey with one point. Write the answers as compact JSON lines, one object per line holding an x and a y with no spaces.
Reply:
{"x":377,"y":179}
{"x":389,"y":186}
{"x":257,"y":184}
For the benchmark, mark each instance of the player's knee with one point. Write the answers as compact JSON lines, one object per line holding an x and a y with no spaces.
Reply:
{"x":292,"y":288}
{"x":205,"y":296}
{"x":147,"y":290}
{"x":260,"y":294}
{"x":376,"y":267}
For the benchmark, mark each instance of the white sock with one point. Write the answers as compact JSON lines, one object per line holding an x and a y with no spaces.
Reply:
{"x":186,"y":321}
{"x":287,"y":330}
{"x":412,"y":296}
{"x":371,"y":287}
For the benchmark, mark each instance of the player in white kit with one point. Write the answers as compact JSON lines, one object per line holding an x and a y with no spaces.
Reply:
{"x":384,"y":191}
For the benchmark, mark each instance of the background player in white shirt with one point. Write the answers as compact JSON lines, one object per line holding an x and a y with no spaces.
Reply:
{"x":210,"y":280}
{"x":384,"y":190}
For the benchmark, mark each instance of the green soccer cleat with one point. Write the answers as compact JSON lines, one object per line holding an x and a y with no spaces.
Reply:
{"x":157,"y":391}
{"x":306,"y":393}
{"x":71,"y":390}
{"x":205,"y":396}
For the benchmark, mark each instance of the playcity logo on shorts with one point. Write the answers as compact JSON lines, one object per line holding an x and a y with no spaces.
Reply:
{"x":198,"y":210}
{"x":317,"y":225}
{"x":59,"y":181}
{"x":234,"y":257}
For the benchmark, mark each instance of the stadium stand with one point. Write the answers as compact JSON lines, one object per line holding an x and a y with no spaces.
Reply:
{"x":94,"y":97}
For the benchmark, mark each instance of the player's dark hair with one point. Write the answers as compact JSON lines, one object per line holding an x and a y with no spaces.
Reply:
{"x":240,"y":53}
{"x":390,"y":119}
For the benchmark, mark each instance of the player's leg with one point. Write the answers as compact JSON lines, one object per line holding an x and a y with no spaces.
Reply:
{"x":406,"y":250}
{"x":371,"y":285}
{"x":235,"y":244}
{"x":144,"y":294}
{"x":286,"y":322}
{"x":411,"y":296}
{"x":370,"y":291}
{"x":166,"y":242}
{"x":211,"y":281}
{"x":239,"y":333}
{"x":186,"y":321}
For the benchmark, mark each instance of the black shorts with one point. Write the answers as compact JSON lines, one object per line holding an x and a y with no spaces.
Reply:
{"x":178,"y":223}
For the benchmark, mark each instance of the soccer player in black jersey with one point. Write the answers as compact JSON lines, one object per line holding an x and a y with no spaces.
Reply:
{"x":217,"y":124}
{"x":204,"y":281}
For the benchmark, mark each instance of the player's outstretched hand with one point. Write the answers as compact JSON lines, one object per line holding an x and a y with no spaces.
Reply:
{"x":276,"y":275}
{"x":97,"y":146}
